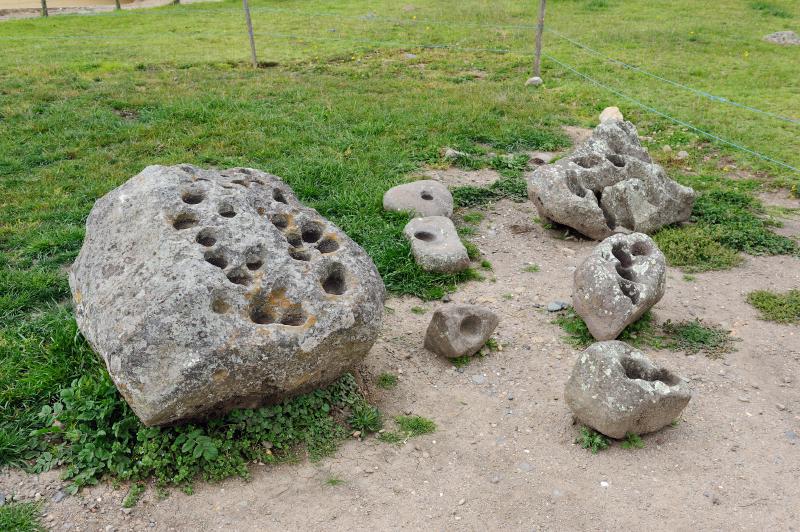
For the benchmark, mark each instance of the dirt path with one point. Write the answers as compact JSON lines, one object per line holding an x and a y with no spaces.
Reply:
{"x":16,"y":9}
{"x":503,"y":457}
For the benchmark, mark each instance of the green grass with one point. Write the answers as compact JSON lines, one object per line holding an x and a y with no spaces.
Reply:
{"x":20,"y":517}
{"x":387,"y":381}
{"x":418,"y":310}
{"x":532,"y":268}
{"x":334,"y":481}
{"x":687,"y":336}
{"x":86,"y":102}
{"x":473,"y":217}
{"x":632,"y":441}
{"x":408,"y":427}
{"x":769,"y":8}
{"x":132,"y":498}
{"x":592,"y":440}
{"x":782,"y":308}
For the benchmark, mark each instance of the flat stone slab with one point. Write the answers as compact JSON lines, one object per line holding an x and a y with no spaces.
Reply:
{"x":615,"y":389}
{"x":607,"y":185}
{"x":422,"y":198}
{"x":460,"y":330}
{"x":436,"y":245}
{"x":623,"y":277}
{"x":205,"y":291}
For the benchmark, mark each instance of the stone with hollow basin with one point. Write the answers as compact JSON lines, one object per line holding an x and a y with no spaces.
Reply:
{"x":616,"y":390}
{"x":205,"y":291}
{"x":436,"y":245}
{"x":460,"y":330}
{"x":623,"y":277}
{"x":609,"y":184}
{"x":422,"y":198}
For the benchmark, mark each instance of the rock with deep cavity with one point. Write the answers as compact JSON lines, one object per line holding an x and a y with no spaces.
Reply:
{"x":618,"y":282}
{"x":611,"y":113}
{"x":422,"y":198}
{"x":436,"y":245}
{"x":205,"y":291}
{"x":459,"y":330}
{"x":617,"y":390}
{"x":609,"y":185}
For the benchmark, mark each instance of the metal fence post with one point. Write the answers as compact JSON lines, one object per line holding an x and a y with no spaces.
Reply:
{"x":250,"y":31}
{"x":537,"y":60}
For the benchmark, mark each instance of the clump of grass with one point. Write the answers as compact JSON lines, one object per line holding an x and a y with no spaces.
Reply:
{"x":333,"y":481}
{"x":508,"y":297}
{"x":781,"y":308}
{"x":694,"y":250}
{"x":632,"y":441}
{"x":473,"y":217}
{"x":365,"y":418}
{"x":531,"y":268}
{"x":472,"y":250}
{"x":132,"y":498}
{"x":592,"y":440}
{"x":461,"y":361}
{"x":637,"y":333}
{"x":408,"y":427}
{"x":21,"y":517}
{"x":768,"y":8}
{"x":514,"y":188}
{"x":387,"y":381}
{"x":694,"y":337}
{"x":689,"y":278}
{"x":486,"y":265}
{"x":418,"y":310}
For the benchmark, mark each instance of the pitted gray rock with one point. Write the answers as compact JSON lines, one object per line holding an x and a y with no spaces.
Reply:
{"x":617,"y":390}
{"x":205,"y":291}
{"x":607,"y":185}
{"x":623,"y":277}
{"x":422,"y":198}
{"x":786,"y":38}
{"x":436,"y":245}
{"x":460,"y":330}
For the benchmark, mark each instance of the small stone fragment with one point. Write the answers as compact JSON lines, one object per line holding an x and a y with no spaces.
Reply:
{"x":683,"y":154}
{"x":623,"y":277}
{"x":611,"y":113}
{"x":436,"y":245}
{"x":459,"y":330}
{"x":535,"y":81}
{"x":616,"y":390}
{"x":422,"y":198}
{"x":556,"y":306}
{"x":451,"y":154}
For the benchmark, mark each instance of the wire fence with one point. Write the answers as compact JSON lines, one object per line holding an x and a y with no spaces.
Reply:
{"x":110,"y":39}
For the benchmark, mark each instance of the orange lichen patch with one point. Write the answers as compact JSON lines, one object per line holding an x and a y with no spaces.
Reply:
{"x":77,"y":296}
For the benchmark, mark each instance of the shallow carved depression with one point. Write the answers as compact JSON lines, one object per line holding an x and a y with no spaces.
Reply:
{"x":206,"y":238}
{"x":328,"y":245}
{"x":278,"y":196}
{"x":299,"y":254}
{"x":426,"y":195}
{"x":226,"y":211}
{"x":184,"y":220}
{"x":470,"y":326}
{"x":239,"y":276}
{"x":616,"y":160}
{"x":311,"y":232}
{"x":192,"y":197}
{"x":640,"y":248}
{"x":425,"y":236}
{"x":624,"y":258}
{"x":216,"y":258}
{"x":276,"y":308}
{"x":635,"y":369}
{"x":281,"y":221}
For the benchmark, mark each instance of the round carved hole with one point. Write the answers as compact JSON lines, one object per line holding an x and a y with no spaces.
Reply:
{"x":470,"y":326}
{"x":281,"y":221}
{"x":220,"y":306}
{"x":334,"y":282}
{"x":206,"y":238}
{"x":299,"y":254}
{"x":426,"y":195}
{"x":425,"y":236}
{"x":293,"y":316}
{"x":262,"y":314}
{"x":216,"y":259}
{"x":311,"y":232}
{"x":278,"y":196}
{"x":192,"y":197}
{"x":239,"y":276}
{"x":294,"y":240}
{"x":640,"y":248}
{"x":328,"y":245}
{"x":616,"y":160}
{"x":254,"y":264}
{"x":184,"y":220}
{"x":226,"y":211}
{"x":624,"y":258}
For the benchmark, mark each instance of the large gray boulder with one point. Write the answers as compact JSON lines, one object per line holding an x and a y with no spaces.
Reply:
{"x":460,"y":330}
{"x":623,"y":277}
{"x":607,"y":185}
{"x":205,"y":291}
{"x":617,"y":390}
{"x":436,"y":245}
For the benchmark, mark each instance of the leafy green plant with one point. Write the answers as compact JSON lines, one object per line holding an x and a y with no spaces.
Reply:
{"x":418,"y":310}
{"x":365,"y":418}
{"x":592,"y":440}
{"x":514,"y":188}
{"x":632,"y":441}
{"x":333,"y":480}
{"x":473,"y":217}
{"x":638,"y":333}
{"x":387,"y":381}
{"x":132,"y":498}
{"x":689,"y":278}
{"x":782,"y":308}
{"x":472,"y":250}
{"x":768,"y":8}
{"x":486,"y":265}
{"x":20,"y":517}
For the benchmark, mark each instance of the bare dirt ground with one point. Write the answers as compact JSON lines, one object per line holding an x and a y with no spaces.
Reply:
{"x":15,"y":9}
{"x":504,"y":457}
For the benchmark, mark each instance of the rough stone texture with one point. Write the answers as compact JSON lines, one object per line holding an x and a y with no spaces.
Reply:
{"x":423,"y":198}
{"x":205,"y":291}
{"x":535,"y":81}
{"x":619,"y":281}
{"x":436,"y":245}
{"x":609,"y":185}
{"x":784,"y":38}
{"x":459,"y":330}
{"x":616,"y":390}
{"x":611,"y":113}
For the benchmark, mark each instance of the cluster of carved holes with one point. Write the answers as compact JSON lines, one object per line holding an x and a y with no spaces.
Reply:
{"x":263,"y":313}
{"x":425,"y":236}
{"x":470,"y":326}
{"x":427,"y":196}
{"x":311,"y":232}
{"x":616,"y":160}
{"x":634,"y":369}
{"x":626,"y":273}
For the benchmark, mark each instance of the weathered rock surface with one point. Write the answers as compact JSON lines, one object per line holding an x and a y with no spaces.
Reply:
{"x":607,"y":185}
{"x":784,"y":38}
{"x":611,"y":113}
{"x":616,"y":390}
{"x":459,"y":330}
{"x":618,"y":282}
{"x":422,"y":198}
{"x":436,"y":245}
{"x":205,"y":291}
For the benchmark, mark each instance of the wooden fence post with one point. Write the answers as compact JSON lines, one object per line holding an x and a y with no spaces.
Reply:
{"x":44,"y":8}
{"x":250,"y":32}
{"x":537,"y":59}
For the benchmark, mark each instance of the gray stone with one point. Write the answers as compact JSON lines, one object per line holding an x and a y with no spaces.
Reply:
{"x":556,"y":306}
{"x":421,"y":198}
{"x":783,"y":38}
{"x":681,"y":155}
{"x":59,"y":496}
{"x":478,"y":379}
{"x":2,"y":499}
{"x":205,"y":291}
{"x":611,"y":113}
{"x":459,"y":330}
{"x":535,"y":81}
{"x":450,"y":153}
{"x":436,"y":245}
{"x":607,"y":185}
{"x":618,"y":282}
{"x":616,"y":390}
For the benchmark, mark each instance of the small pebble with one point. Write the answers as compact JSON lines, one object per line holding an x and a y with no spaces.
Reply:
{"x":603,"y":484}
{"x":780,"y":406}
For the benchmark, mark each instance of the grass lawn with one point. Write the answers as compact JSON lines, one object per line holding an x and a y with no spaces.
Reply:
{"x":354,"y":106}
